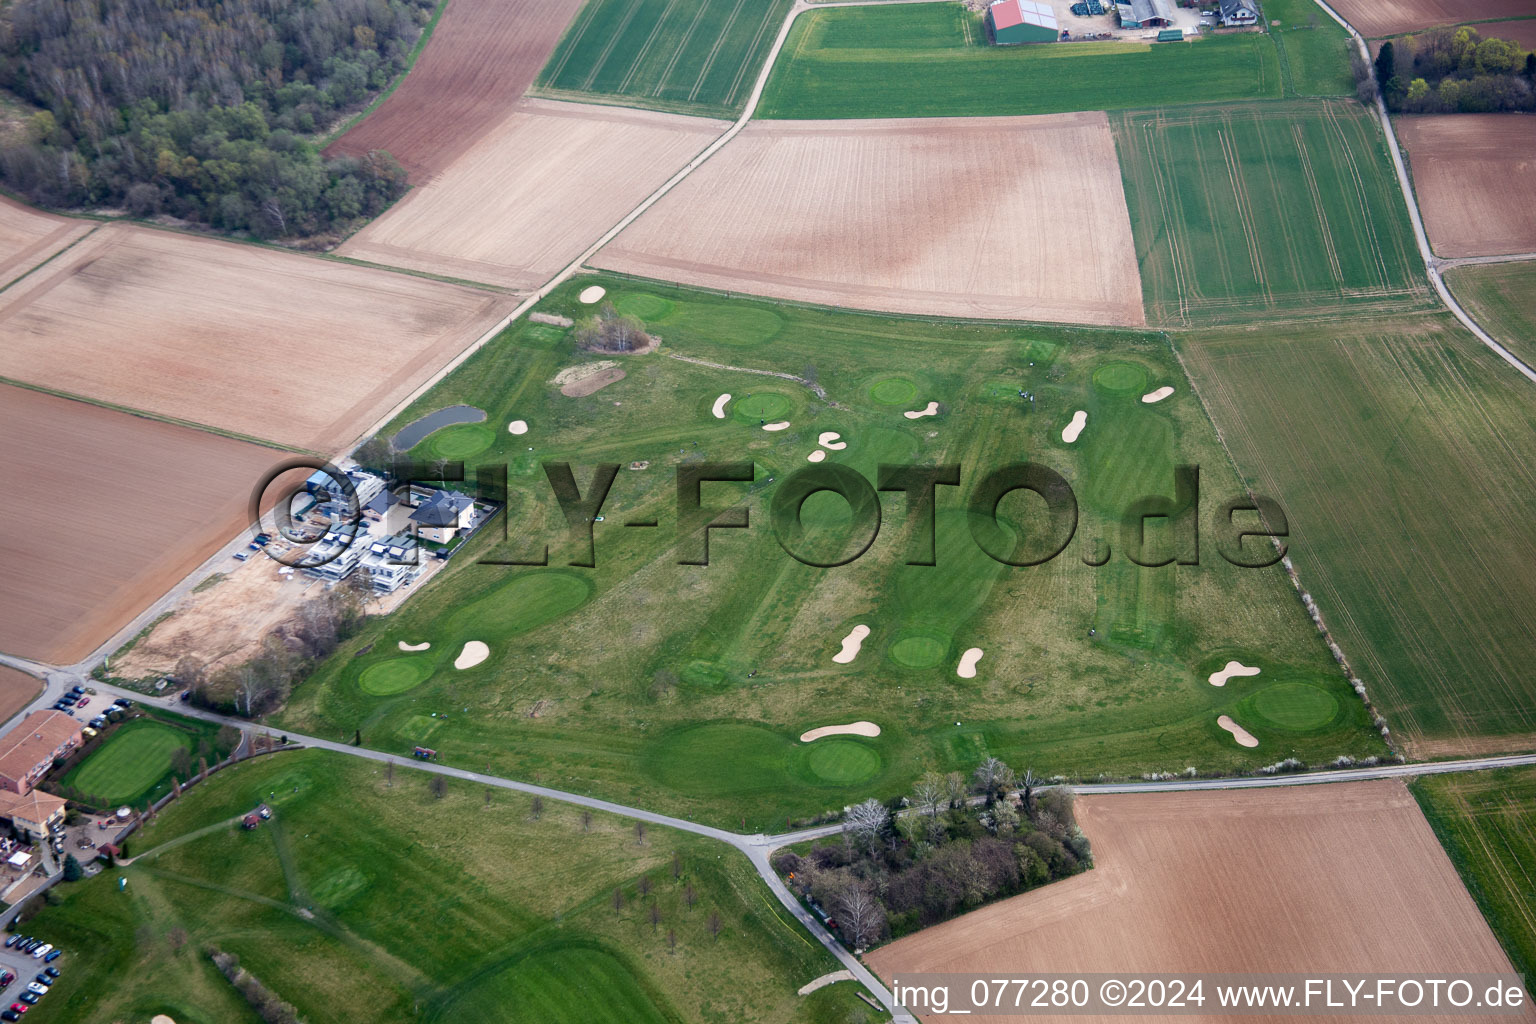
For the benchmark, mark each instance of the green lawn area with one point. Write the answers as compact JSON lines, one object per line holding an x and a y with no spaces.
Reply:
{"x":1487,"y":823}
{"x":368,"y":899}
{"x":686,"y":688}
{"x":134,"y":764}
{"x":1314,"y":49}
{"x":1266,"y":211}
{"x":1502,"y":298}
{"x":1402,"y":450}
{"x":687,"y":56}
{"x":932,"y":60}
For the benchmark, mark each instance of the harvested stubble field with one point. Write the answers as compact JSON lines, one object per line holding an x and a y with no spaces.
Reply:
{"x":1404,"y":453}
{"x":29,"y":236}
{"x":116,"y":509}
{"x":1266,"y":212}
{"x":1487,"y":821}
{"x":270,"y":345}
{"x":534,"y":193}
{"x":1474,"y":175}
{"x":1376,"y":18}
{"x":1212,"y":883}
{"x":1502,"y":298}
{"x":895,"y":216}
{"x":687,"y":688}
{"x":690,"y":56}
{"x":933,"y":60}
{"x":481,"y":58}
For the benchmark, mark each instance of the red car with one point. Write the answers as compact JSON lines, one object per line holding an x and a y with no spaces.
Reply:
{"x":83,"y":702}
{"x":20,"y":1007}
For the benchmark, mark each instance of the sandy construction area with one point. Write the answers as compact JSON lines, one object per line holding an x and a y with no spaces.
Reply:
{"x":1017,"y":218}
{"x":1390,"y":17}
{"x":1339,"y":878}
{"x":536,"y":191}
{"x":271,"y":345}
{"x":1474,"y":174}
{"x":481,"y":58}
{"x":28,"y":236}
{"x":115,"y":509}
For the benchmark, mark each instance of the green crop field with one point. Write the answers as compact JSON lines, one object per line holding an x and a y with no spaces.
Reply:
{"x":1314,"y":49}
{"x":134,"y":764}
{"x":686,"y":688}
{"x":1502,"y":298}
{"x":1487,"y":823}
{"x":1266,"y":211}
{"x":369,"y":898}
{"x":1404,"y":453}
{"x":868,"y":61}
{"x":688,"y":56}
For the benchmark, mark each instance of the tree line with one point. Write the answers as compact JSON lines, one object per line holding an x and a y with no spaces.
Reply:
{"x":203,"y":109}
{"x":950,"y":846}
{"x":1455,"y":70}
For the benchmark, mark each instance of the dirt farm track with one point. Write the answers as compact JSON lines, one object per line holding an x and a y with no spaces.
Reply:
{"x":270,"y":345}
{"x":894,"y":215}
{"x":108,"y":512}
{"x":28,"y":236}
{"x":1474,"y":174}
{"x":1373,"y":18}
{"x":1207,"y":882}
{"x":481,"y":58}
{"x":536,"y":190}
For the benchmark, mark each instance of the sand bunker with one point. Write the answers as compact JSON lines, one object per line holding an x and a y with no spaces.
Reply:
{"x":473,"y":654}
{"x":968,"y":660}
{"x":1232,"y":668}
{"x":1158,"y":395}
{"x":851,"y":729}
{"x":1243,"y":736}
{"x":816,"y":456}
{"x":825,"y":980}
{"x":829,"y":439}
{"x":161,"y":1018}
{"x":517,"y":427}
{"x":851,"y":644}
{"x":719,"y":408}
{"x":780,"y":425}
{"x":413,"y":647}
{"x":592,"y":294}
{"x":1079,"y":420}
{"x":932,"y":409}
{"x":586,"y":378}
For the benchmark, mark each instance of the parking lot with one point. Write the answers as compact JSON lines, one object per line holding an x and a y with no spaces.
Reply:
{"x":26,"y":969}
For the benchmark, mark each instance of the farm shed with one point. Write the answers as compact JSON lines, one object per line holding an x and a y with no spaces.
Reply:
{"x":1145,"y":14}
{"x":1022,"y":21}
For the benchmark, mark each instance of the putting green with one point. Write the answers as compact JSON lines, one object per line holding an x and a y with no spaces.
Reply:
{"x":462,"y":441}
{"x":130,"y":762}
{"x":1297,"y":707}
{"x":643,"y":305}
{"x":918,"y":650}
{"x":893,"y":391}
{"x":762,"y":405}
{"x":394,"y":676}
{"x":843,"y":762}
{"x":522,"y":603}
{"x":1120,"y":378}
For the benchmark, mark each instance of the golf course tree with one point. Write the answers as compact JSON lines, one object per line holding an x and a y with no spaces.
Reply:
{"x":73,"y":872}
{"x":608,"y":330}
{"x":890,"y":875}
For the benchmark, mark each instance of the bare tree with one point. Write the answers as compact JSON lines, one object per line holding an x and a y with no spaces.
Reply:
{"x":930,"y":794}
{"x":1028,"y":782}
{"x":438,"y":786}
{"x":671,"y":939}
{"x":655,"y":916}
{"x":677,"y":864}
{"x":389,"y":773}
{"x":865,"y":821}
{"x":714,"y":924}
{"x":860,"y":915}
{"x":644,"y":886}
{"x":954,"y":789}
{"x":536,"y":810}
{"x":639,"y":833}
{"x":689,"y":896}
{"x":993,"y":778}
{"x":586,"y":820}
{"x":618,"y":899}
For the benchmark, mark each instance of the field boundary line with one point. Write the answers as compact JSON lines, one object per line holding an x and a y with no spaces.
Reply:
{"x":650,"y":40}
{"x":714,"y":51}
{"x":757,"y":39}
{"x":575,"y":41}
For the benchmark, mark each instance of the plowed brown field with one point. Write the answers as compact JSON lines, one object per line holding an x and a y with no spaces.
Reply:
{"x":1018,"y":218}
{"x":1390,"y":17}
{"x":1341,"y":878}
{"x":108,"y":511}
{"x":1474,"y":175}
{"x":481,"y":58}
{"x":17,"y":690}
{"x":1522,"y":32}
{"x":535,"y":192}
{"x":271,"y":345}
{"x":28,"y":236}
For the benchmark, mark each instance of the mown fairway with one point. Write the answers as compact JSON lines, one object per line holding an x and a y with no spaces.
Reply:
{"x":687,"y":687}
{"x":369,"y":899}
{"x":689,"y":56}
{"x":1502,"y":298}
{"x":848,"y":63}
{"x":1403,"y":451}
{"x":1487,"y":823}
{"x":1258,"y":212}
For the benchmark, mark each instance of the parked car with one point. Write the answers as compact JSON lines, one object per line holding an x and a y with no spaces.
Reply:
{"x":10,"y":1015}
{"x":37,"y":989}
{"x":99,"y":722}
{"x":84,"y":701}
{"x":31,"y":945}
{"x":50,"y":958}
{"x":43,"y":979}
{"x":43,"y":950}
{"x":20,"y":1007}
{"x":88,"y":732}
{"x":123,"y":702}
{"x":77,"y":688}
{"x":28,"y":997}
{"x":12,"y":941}
{"x":52,"y":972}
